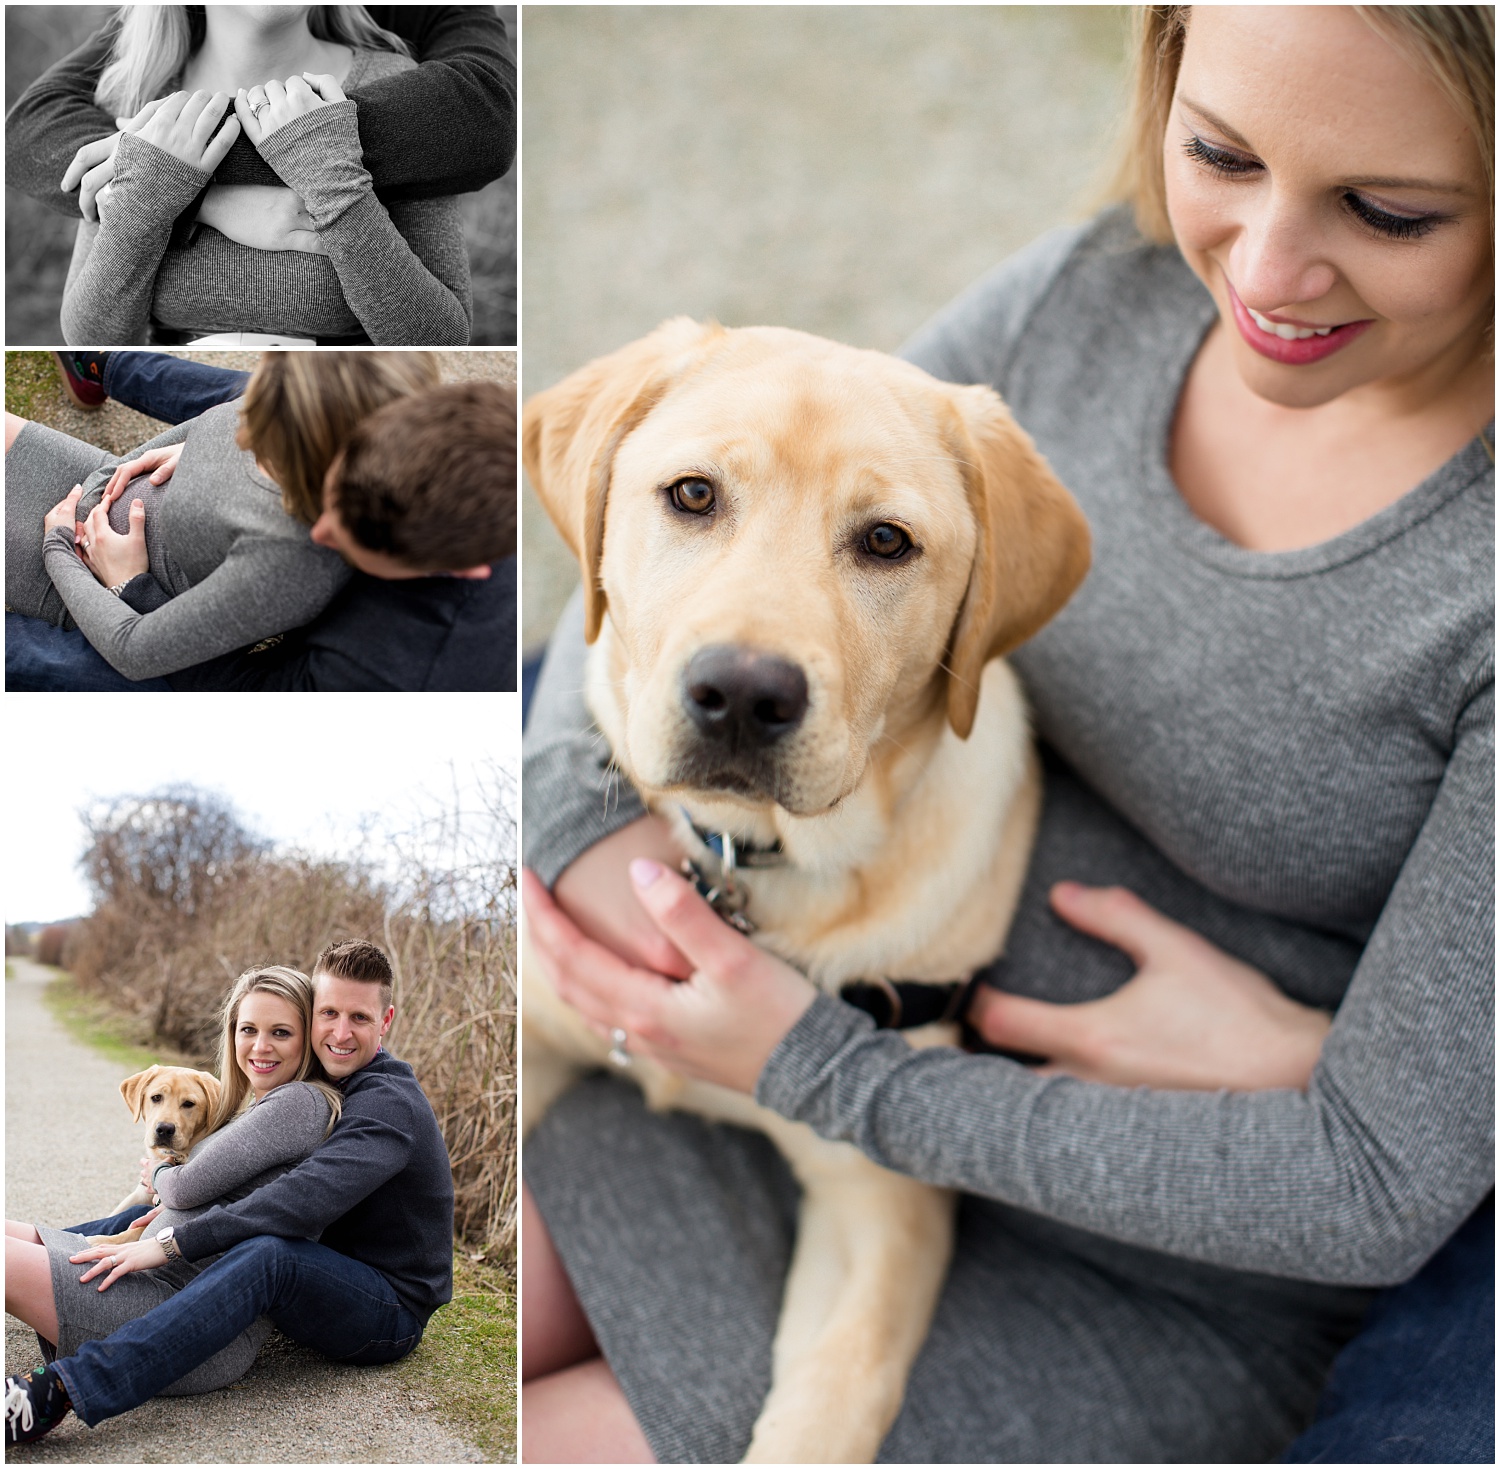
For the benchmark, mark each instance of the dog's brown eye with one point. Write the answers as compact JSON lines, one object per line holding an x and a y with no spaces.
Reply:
{"x":157,"y":1097}
{"x":695,"y":496}
{"x":187,"y":1105}
{"x":887,"y":541}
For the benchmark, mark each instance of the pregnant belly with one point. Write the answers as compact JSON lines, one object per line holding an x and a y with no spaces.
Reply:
{"x":152,"y":496}
{"x":216,"y":285}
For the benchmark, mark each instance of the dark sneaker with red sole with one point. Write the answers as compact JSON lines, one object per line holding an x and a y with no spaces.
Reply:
{"x":34,"y":1405}
{"x":82,"y":376}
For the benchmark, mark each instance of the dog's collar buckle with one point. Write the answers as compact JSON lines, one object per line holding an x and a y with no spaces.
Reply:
{"x":727,"y":897}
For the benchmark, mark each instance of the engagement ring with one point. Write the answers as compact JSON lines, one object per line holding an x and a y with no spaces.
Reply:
{"x":256,"y":108}
{"x":88,"y":545}
{"x":618,"y":1055}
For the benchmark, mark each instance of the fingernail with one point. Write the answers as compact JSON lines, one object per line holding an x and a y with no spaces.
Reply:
{"x":643,"y":872}
{"x":1067,"y":891}
{"x":137,"y":504}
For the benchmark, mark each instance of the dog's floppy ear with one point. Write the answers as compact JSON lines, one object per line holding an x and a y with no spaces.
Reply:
{"x":211,"y":1085}
{"x":1032,"y":551}
{"x":570,"y":432}
{"x":133,"y":1089}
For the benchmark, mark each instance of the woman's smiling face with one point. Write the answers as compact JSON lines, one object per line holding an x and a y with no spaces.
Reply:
{"x":1331,"y":199}
{"x":268,"y":1040}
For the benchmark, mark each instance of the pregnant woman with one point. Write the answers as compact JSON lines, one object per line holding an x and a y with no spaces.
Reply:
{"x":275,"y":1108}
{"x":1268,"y":712}
{"x":227,"y":534}
{"x":360,"y":271}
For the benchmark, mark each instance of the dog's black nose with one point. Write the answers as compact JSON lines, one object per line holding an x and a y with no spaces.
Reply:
{"x":164,"y":1130}
{"x":743,"y":696}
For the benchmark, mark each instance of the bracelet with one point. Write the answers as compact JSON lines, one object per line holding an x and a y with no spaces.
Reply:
{"x":120,"y":589}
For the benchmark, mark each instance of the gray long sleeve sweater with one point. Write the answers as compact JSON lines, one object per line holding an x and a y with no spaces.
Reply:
{"x":240,"y":568}
{"x":257,"y":1145}
{"x":1292,"y":753}
{"x":396,"y":274}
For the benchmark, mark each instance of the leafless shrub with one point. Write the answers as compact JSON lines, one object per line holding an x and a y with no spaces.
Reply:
{"x":186,"y":899}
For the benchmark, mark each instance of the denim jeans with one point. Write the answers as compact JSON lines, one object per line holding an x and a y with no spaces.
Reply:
{"x":114,"y":1224}
{"x":1417,"y":1385}
{"x":344,"y":1309}
{"x":169,"y":388}
{"x":40,"y":658}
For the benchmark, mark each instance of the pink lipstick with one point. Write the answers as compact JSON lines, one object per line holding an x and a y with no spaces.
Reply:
{"x":1296,"y":351}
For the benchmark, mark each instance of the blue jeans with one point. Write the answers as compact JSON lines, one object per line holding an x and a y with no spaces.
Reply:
{"x":114,"y":1224}
{"x":169,"y":388}
{"x":44,"y":659}
{"x":344,"y":1309}
{"x":1417,"y":1385}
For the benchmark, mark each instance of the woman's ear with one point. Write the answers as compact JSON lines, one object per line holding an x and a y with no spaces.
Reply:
{"x":1032,"y":549}
{"x":571,"y":432}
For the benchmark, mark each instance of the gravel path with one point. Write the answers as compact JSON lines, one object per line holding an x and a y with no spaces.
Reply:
{"x":70,"y":1154}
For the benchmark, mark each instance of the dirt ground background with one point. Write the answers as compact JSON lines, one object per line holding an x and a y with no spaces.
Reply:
{"x":841,"y":169}
{"x":39,"y":243}
{"x":33,"y":390}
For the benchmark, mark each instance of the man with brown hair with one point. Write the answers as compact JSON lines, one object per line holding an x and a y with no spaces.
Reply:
{"x":349,"y":1253}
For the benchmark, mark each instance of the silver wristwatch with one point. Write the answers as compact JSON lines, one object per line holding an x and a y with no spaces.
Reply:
{"x":166,"y":1238}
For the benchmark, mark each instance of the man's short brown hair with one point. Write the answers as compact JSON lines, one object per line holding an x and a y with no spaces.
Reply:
{"x":431,"y":478}
{"x":357,"y":959}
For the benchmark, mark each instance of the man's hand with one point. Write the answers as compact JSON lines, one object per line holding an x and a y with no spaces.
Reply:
{"x":1192,"y":1018}
{"x":64,"y":514}
{"x":160,"y":463}
{"x":93,"y":165}
{"x":261,"y":216}
{"x":266,"y":110}
{"x":114,"y":558}
{"x":184,"y":126}
{"x":595,"y":891}
{"x":118,"y":1260}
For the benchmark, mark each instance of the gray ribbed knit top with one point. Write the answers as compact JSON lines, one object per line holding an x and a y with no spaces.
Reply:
{"x":395,"y":274}
{"x":238,"y":566}
{"x":1292,"y":753}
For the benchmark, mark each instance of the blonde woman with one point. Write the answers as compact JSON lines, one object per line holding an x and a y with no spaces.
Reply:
{"x":274,"y":1109}
{"x":190,"y":80}
{"x":1268,"y":714}
{"x":227,"y":536}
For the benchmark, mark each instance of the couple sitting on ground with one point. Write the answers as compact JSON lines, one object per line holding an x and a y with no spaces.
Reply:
{"x":320,"y":1202}
{"x":349,"y":525}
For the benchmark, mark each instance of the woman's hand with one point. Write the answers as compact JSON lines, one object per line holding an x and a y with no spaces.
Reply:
{"x":596,"y":892}
{"x":261,"y":216}
{"x":118,"y":1260}
{"x":161,"y":464}
{"x":184,"y":127}
{"x":64,"y":514}
{"x":93,"y":165}
{"x":287,"y":101}
{"x":721,"y":1024}
{"x":1192,"y":1018}
{"x":114,"y":558}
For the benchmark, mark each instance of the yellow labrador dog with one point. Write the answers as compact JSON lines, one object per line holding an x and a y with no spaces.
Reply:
{"x":802,"y":563}
{"x":175,"y":1103}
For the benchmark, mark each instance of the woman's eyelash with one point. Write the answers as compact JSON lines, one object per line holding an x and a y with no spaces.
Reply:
{"x":1393,"y":226}
{"x":1216,"y":159}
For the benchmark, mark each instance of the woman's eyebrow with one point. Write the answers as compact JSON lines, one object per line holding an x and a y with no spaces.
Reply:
{"x":1434,"y":186}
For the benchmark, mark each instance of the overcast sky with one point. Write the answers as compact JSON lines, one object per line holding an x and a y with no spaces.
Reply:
{"x":309,"y":771}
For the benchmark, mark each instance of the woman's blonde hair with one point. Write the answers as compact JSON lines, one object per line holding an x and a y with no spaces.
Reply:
{"x":293,"y":986}
{"x":300,"y":407}
{"x":153,"y":43}
{"x":1454,"y":44}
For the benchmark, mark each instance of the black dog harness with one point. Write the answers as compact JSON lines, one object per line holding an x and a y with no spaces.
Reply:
{"x":901,"y":1004}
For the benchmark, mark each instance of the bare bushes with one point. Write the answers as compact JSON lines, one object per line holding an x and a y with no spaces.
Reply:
{"x":186,"y":899}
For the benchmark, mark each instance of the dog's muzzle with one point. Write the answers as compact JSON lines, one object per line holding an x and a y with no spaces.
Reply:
{"x":742,"y":699}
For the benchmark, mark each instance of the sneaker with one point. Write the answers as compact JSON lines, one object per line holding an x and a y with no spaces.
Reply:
{"x":34,"y":1405}
{"x":82,"y":376}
